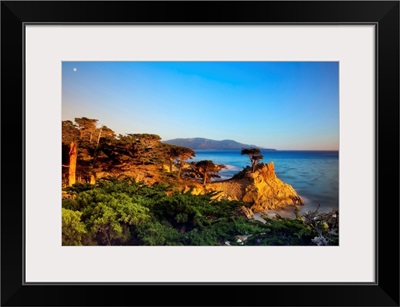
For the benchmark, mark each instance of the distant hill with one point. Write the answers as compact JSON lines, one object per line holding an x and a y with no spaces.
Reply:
{"x":202,"y":143}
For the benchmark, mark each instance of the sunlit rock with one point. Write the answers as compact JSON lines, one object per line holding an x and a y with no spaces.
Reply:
{"x":262,"y":189}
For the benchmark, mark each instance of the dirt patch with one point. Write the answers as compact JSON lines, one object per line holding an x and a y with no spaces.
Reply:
{"x":234,"y":188}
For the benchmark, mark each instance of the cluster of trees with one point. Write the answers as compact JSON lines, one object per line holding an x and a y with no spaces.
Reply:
{"x":83,"y":141}
{"x":124,"y":212}
{"x":88,"y":149}
{"x":103,"y":210}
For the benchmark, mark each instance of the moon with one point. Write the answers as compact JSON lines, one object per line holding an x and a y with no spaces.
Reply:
{"x":75,"y":69}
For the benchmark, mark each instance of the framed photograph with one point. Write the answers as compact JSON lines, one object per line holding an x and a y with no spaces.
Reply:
{"x":242,"y":153}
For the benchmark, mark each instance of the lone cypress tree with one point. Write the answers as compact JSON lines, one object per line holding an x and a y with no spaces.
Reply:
{"x":254,"y":155}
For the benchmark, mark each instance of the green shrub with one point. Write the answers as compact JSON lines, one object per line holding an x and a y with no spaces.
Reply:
{"x":124,"y":212}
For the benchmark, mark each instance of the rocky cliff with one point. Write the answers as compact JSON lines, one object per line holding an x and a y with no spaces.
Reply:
{"x":261,"y":190}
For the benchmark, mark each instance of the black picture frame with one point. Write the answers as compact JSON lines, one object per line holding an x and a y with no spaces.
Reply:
{"x":383,"y":14}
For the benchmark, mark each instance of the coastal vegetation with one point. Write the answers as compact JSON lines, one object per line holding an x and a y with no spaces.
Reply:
{"x":125,"y":212}
{"x":134,"y":189}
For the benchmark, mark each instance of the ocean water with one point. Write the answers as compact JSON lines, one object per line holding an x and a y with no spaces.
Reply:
{"x":313,"y":174}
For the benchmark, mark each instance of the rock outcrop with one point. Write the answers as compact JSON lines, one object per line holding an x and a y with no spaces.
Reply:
{"x":261,"y":190}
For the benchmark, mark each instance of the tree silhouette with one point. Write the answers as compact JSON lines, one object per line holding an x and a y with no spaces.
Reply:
{"x":178,"y":154}
{"x":81,"y":143}
{"x":139,"y":148}
{"x":145,"y":147}
{"x":206,"y":169}
{"x":254,"y":155}
{"x":104,"y":138}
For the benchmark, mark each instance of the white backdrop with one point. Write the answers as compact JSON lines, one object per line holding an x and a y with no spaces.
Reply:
{"x":48,"y":45}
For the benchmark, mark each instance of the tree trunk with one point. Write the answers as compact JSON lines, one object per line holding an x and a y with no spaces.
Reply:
{"x":180,"y":166}
{"x":92,"y":179}
{"x":98,"y":139}
{"x":73,"y":156}
{"x":205,"y":179}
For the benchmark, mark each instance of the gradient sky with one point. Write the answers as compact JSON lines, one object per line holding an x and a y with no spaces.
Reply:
{"x":281,"y":105}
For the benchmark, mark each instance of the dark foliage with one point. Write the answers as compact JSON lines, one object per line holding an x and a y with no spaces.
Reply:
{"x":124,"y":212}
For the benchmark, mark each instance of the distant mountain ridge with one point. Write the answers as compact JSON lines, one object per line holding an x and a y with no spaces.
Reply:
{"x":203,"y":143}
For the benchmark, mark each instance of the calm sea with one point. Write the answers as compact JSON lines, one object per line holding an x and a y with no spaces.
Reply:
{"x":313,"y":174}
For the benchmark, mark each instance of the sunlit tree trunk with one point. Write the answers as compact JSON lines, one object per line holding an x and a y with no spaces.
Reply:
{"x":253,"y":165}
{"x":205,"y":178}
{"x":73,"y":156}
{"x":180,"y":169}
{"x":93,"y":175}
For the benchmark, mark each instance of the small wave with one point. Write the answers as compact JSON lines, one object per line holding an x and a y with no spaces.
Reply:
{"x":233,"y":167}
{"x":222,"y":178}
{"x":306,"y":200}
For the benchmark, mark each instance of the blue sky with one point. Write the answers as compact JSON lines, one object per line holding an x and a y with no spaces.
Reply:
{"x":282,"y":105}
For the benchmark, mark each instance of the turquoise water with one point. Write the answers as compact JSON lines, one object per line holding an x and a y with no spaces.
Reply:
{"x":313,"y":174}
